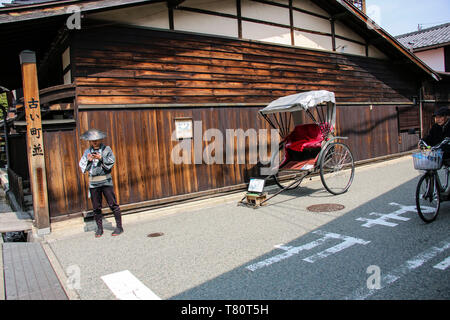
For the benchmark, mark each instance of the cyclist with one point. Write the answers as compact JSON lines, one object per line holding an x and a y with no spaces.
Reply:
{"x":438,"y":132}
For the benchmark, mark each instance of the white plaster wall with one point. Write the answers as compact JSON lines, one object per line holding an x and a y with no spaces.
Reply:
{"x":309,"y":22}
{"x":152,"y":15}
{"x":156,"y":16}
{"x":313,"y":41}
{"x":310,"y":6}
{"x":264,"y":12}
{"x":344,"y":31}
{"x":435,"y":58}
{"x":66,"y":58}
{"x":343,"y":46}
{"x":68,"y":77}
{"x":285,"y":2}
{"x":375,"y":53}
{"x":221,"y":6}
{"x":204,"y":23}
{"x":262,"y":32}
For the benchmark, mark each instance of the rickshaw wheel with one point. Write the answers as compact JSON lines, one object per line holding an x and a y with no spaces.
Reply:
{"x":278,"y":177}
{"x":337,"y":168}
{"x":283,"y":183}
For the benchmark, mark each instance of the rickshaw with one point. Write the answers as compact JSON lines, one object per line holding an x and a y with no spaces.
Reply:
{"x":311,"y":147}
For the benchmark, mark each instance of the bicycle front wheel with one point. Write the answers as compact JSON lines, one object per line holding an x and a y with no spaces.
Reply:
{"x":428,"y":199}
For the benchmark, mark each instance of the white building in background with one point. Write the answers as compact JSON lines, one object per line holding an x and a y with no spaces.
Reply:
{"x":431,"y":45}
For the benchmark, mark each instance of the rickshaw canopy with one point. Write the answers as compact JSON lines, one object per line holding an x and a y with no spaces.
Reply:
{"x":300,"y":101}
{"x":321,"y":101}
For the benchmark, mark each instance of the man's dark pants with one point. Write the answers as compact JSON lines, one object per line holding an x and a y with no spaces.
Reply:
{"x":96,"y":198}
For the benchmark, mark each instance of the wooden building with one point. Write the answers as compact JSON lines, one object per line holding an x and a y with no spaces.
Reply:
{"x":134,"y":68}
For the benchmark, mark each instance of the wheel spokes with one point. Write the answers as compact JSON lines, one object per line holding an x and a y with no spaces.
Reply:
{"x":337,"y":168}
{"x":427,"y":198}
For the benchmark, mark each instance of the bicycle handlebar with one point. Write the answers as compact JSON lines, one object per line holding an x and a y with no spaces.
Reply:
{"x":443,"y":142}
{"x":423,"y":144}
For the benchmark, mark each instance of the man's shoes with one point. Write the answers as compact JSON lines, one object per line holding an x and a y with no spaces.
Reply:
{"x":117,"y":231}
{"x":98,"y":233}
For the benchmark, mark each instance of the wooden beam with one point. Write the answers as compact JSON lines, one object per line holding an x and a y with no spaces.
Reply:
{"x":317,"y":15}
{"x":333,"y":34}
{"x":61,"y":106}
{"x":174,"y":3}
{"x":35,"y":142}
{"x":289,"y":26}
{"x":171,"y":21}
{"x":291,"y":22}
{"x":239,"y":17}
{"x":340,"y":15}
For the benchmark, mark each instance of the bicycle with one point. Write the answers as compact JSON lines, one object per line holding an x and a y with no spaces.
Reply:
{"x":430,"y":191}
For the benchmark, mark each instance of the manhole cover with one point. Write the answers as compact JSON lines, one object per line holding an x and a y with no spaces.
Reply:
{"x":154,"y":235}
{"x":326,"y":207}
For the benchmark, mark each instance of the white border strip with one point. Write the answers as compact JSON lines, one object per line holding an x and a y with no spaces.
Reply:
{"x":126,"y":286}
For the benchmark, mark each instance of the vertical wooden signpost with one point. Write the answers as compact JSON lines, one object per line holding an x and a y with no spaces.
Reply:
{"x":35,"y":142}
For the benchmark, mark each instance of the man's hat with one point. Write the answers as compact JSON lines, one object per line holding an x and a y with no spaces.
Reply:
{"x":93,"y":134}
{"x":444,"y":111}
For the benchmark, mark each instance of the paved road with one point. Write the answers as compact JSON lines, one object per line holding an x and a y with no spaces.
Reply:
{"x":376,"y":248}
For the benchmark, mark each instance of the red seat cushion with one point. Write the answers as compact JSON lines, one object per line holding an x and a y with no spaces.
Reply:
{"x":306,"y":136}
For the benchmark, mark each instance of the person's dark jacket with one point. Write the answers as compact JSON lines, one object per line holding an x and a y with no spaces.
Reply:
{"x":437,"y":134}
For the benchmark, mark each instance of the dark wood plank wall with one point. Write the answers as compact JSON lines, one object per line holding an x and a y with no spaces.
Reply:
{"x":141,"y":141}
{"x":123,"y":66}
{"x":64,"y":182}
{"x":372,"y":132}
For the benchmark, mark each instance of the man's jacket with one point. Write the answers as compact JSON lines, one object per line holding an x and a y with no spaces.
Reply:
{"x":437,"y":134}
{"x":99,"y":170}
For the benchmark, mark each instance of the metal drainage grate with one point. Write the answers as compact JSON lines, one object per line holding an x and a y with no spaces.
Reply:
{"x":326,"y":207}
{"x":156,"y":234}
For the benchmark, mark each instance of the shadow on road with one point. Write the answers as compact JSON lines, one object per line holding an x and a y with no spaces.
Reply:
{"x":332,"y":261}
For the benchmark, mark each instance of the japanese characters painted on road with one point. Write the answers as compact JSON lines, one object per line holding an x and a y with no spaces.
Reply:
{"x":346,"y":242}
{"x":383,"y":218}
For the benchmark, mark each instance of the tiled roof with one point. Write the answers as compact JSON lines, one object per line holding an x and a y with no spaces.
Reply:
{"x":427,"y":37}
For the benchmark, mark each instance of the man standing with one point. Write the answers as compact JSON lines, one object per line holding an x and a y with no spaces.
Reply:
{"x":98,"y":160}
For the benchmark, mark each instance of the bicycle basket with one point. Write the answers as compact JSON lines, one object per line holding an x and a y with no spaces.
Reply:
{"x":428,"y":160}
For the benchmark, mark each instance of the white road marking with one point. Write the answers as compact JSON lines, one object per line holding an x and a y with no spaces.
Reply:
{"x":348,"y":242}
{"x":382,"y":220}
{"x":443,"y":265}
{"x":410,"y":265}
{"x":126,"y":286}
{"x":291,"y":251}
